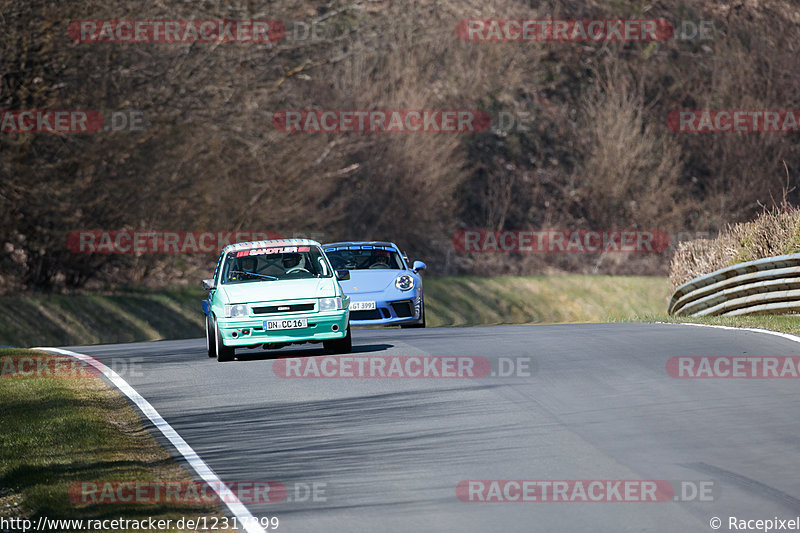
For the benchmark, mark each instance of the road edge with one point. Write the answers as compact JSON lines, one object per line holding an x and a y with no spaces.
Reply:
{"x":236,"y":507}
{"x":788,"y":336}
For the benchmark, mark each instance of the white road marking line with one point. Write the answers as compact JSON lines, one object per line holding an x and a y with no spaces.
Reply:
{"x":789,"y":336}
{"x":242,"y":514}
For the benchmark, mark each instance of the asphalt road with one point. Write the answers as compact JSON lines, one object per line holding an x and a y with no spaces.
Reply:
{"x":388,"y":454}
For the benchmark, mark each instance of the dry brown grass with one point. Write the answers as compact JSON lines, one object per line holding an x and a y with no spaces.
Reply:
{"x":773,"y":232}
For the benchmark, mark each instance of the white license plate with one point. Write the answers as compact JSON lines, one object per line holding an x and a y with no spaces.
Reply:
{"x":362,"y":306}
{"x":292,"y":323}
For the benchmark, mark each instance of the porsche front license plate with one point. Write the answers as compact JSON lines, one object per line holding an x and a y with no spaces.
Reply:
{"x":362,"y":306}
{"x":292,"y":323}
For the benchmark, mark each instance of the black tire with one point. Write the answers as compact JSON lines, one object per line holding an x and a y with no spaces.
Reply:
{"x":211,"y":343}
{"x":420,"y":325}
{"x":344,"y":345}
{"x":224,"y":353}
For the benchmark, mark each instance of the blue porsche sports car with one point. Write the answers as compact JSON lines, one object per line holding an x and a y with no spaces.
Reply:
{"x":383,"y":289}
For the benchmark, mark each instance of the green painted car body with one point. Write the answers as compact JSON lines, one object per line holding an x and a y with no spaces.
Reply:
{"x":274,"y":293}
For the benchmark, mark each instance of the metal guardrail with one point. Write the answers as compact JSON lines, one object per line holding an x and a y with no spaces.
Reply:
{"x":765,"y":286}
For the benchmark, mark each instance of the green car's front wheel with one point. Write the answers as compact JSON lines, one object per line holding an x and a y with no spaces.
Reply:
{"x":224,"y":353}
{"x":344,"y":345}
{"x":211,"y":342}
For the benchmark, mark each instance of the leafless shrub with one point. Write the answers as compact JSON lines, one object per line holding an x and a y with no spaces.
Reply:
{"x":774,"y":232}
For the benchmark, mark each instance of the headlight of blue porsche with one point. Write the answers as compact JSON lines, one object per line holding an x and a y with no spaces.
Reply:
{"x":404,"y":282}
{"x":330,"y":304}
{"x":235,"y":310}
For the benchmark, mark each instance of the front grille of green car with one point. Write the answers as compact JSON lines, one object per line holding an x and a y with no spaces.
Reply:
{"x":293,"y":308}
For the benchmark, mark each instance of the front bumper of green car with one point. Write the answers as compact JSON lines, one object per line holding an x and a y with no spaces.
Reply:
{"x":248,"y":331}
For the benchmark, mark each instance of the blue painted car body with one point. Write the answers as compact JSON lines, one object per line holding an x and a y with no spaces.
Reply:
{"x":393,"y":305}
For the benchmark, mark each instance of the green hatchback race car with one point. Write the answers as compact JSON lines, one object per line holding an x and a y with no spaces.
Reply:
{"x":275,"y":293}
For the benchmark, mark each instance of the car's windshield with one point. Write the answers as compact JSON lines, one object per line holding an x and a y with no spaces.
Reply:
{"x":364,"y":257}
{"x":274,"y":264}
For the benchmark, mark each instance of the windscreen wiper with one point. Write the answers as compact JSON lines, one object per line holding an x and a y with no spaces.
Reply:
{"x":254,"y":274}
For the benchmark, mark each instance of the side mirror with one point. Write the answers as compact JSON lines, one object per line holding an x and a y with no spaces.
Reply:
{"x":208,"y":284}
{"x":342,"y":275}
{"x":419,"y":265}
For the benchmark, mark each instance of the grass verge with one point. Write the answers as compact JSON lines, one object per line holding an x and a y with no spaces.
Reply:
{"x":783,"y":323}
{"x":568,"y":298}
{"x":101,"y":318}
{"x":145,"y":315}
{"x":141,"y":315}
{"x":58,"y":431}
